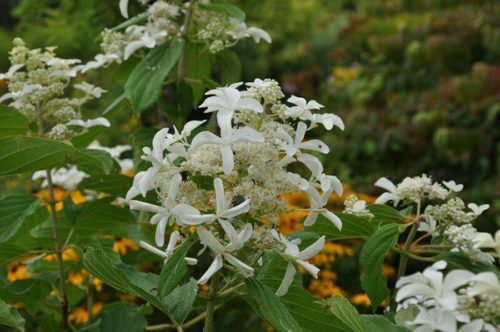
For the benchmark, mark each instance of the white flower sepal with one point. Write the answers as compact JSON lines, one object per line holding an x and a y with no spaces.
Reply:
{"x":90,"y":89}
{"x":227,"y":137}
{"x":453,"y":186}
{"x":477,"y":210}
{"x":174,"y":239}
{"x":27,"y":89}
{"x":293,"y":253}
{"x":145,"y":40}
{"x":236,"y":241}
{"x":391,"y":195}
{"x":89,"y":123}
{"x":302,"y":110}
{"x":485,"y":240}
{"x":318,"y":203}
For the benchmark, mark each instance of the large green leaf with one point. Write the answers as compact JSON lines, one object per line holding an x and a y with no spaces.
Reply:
{"x":180,"y":301}
{"x":144,"y":85}
{"x":24,"y":154}
{"x":10,"y":317}
{"x":120,"y":317}
{"x":9,"y":252}
{"x":112,"y":184}
{"x":107,"y":266}
{"x":93,"y":161}
{"x":385,"y":214}
{"x":230,"y":67}
{"x":345,"y":311}
{"x":371,"y":260}
{"x":13,"y":210}
{"x":352,"y":227}
{"x":225,"y":8}
{"x":376,"y":323}
{"x":307,"y":309}
{"x":174,"y":270}
{"x":198,"y":67}
{"x":12,"y":122}
{"x":140,"y":138}
{"x":270,"y":307}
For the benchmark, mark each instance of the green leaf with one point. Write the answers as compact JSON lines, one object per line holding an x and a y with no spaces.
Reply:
{"x":198,"y":67}
{"x":184,"y":99}
{"x":9,"y":252}
{"x":457,"y":260}
{"x":376,"y":323}
{"x":71,"y":210}
{"x":10,"y":317}
{"x":12,"y":122}
{"x":180,"y":301}
{"x":371,"y":260}
{"x":107,"y":266}
{"x":102,"y":214}
{"x":112,"y":184}
{"x":384,"y":214}
{"x":27,"y":154}
{"x":230,"y":67}
{"x":205,"y":182}
{"x":13,"y":210}
{"x":269,"y":306}
{"x":225,"y":8}
{"x":93,"y":161}
{"x":174,"y":270}
{"x":144,"y":85}
{"x":352,"y":227}
{"x":140,"y":138}
{"x":122,"y":318}
{"x":346,"y":312}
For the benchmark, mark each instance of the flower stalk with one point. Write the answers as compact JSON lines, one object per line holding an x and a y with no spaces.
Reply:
{"x":211,"y":300}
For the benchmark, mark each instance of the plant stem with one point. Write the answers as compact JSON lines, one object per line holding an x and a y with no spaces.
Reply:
{"x":403,"y":260}
{"x":57,"y":242}
{"x":181,"y":71}
{"x":212,"y":298}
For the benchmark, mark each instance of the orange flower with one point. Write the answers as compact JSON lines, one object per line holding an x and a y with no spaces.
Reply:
{"x":361,"y":300}
{"x":59,"y":195}
{"x":16,"y":273}
{"x":80,"y":314}
{"x":67,"y":255}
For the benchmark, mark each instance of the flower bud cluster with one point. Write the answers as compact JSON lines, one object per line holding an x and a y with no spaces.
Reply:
{"x":355,"y":206}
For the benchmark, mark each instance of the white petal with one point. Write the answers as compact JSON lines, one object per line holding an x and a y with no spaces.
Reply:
{"x":191,"y":261}
{"x":258,"y":34}
{"x":172,"y":241}
{"x":205,"y":137}
{"x":174,"y":186}
{"x":245,"y":233}
{"x":386,"y":197}
{"x":124,"y":8}
{"x":297,"y":101}
{"x":386,"y":184}
{"x":220,"y":199}
{"x":311,"y":219}
{"x":152,"y":249}
{"x":190,"y":215}
{"x":245,"y":270}
{"x":235,"y":243}
{"x":227,"y":159}
{"x":143,"y":206}
{"x":74,"y":122}
{"x":312,"y":163}
{"x":190,"y":126}
{"x":214,"y":267}
{"x":237,"y":210}
{"x":311,"y":269}
{"x":207,"y":239}
{"x":329,"y":120}
{"x":300,"y":133}
{"x":287,"y":280}
{"x":249,"y":104}
{"x":160,"y":232}
{"x":333,"y":218}
{"x":247,"y":134}
{"x":313,"y":249}
{"x":315,"y":145}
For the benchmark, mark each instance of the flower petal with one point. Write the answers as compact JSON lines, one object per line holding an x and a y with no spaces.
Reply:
{"x":287,"y":280}
{"x":311,"y":269}
{"x":220,"y":198}
{"x":237,"y":210}
{"x":160,"y":232}
{"x":208,"y":239}
{"x":214,"y":267}
{"x":245,"y":270}
{"x":227,"y":159}
{"x":333,"y":218}
{"x":313,"y":249}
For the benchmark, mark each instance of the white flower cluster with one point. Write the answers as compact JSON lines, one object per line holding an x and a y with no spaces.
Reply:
{"x":229,"y":187}
{"x":460,"y":301}
{"x":37,"y":81}
{"x":449,"y":219}
{"x":357,"y":207}
{"x":164,"y":20}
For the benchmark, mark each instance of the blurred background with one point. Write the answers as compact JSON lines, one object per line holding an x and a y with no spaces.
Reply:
{"x":417,"y":83}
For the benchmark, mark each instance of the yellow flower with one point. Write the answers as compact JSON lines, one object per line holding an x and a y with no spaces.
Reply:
{"x":77,"y":278}
{"x":59,"y":195}
{"x":16,"y":273}
{"x":388,"y":270}
{"x":67,"y":255}
{"x":361,"y":300}
{"x":80,"y":314}
{"x":122,"y":245}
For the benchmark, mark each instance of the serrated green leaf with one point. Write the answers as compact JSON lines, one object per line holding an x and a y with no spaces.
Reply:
{"x":12,"y":122}
{"x":230,"y":67}
{"x":376,"y":323}
{"x":225,"y":8}
{"x":112,"y":184}
{"x":9,"y":316}
{"x":13,"y":210}
{"x":180,"y":301}
{"x":270,"y":307}
{"x":345,"y":311}
{"x":371,"y":260}
{"x":198,"y":67}
{"x":174,"y":270}
{"x":71,"y":210}
{"x":26,"y":154}
{"x":122,"y":318}
{"x":184,"y":99}
{"x":144,"y":85}
{"x":352,"y":227}
{"x":384,"y":214}
{"x":202,"y":181}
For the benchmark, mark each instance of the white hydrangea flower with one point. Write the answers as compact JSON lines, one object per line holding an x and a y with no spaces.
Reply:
{"x":89,"y":123}
{"x":172,"y":243}
{"x":486,"y":240}
{"x":303,"y":111}
{"x":67,"y":178}
{"x":318,"y":203}
{"x":453,"y":186}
